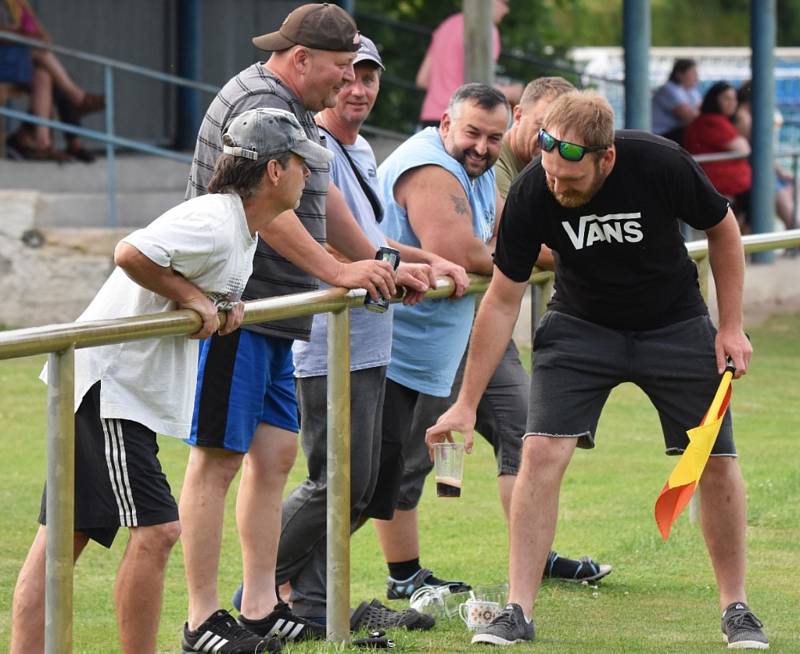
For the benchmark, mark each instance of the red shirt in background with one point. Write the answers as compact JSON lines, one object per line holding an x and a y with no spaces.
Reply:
{"x":710,"y":133}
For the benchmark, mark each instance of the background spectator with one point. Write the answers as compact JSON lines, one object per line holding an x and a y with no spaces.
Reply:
{"x":49,"y":85}
{"x":677,"y":102}
{"x":442,"y":70}
{"x":713,"y":131}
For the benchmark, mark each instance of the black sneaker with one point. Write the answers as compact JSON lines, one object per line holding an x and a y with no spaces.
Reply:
{"x":285,"y":625}
{"x":375,"y":616}
{"x":423,"y":577}
{"x":221,"y":634}
{"x":741,"y":629}
{"x":508,"y":628}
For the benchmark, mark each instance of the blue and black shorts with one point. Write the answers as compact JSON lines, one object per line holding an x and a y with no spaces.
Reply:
{"x":243,"y":379}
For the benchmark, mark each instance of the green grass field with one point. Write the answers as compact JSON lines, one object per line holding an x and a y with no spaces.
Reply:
{"x":660,"y":598}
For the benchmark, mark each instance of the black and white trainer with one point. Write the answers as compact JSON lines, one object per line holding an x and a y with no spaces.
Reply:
{"x":741,"y":629}
{"x":508,"y":628}
{"x":221,"y":634}
{"x":284,"y":624}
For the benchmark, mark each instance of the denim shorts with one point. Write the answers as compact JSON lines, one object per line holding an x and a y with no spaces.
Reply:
{"x":577,"y":363}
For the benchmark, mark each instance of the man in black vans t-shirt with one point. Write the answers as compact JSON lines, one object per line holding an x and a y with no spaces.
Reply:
{"x":626,"y":307}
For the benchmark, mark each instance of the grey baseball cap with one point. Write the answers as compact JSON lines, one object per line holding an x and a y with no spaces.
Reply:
{"x":264,"y":133}
{"x":368,"y":52}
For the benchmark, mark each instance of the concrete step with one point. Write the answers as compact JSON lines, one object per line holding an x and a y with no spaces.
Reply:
{"x":134,"y":209}
{"x":133,"y":173}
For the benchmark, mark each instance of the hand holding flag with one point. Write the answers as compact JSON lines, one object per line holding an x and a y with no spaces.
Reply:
{"x":686,"y":475}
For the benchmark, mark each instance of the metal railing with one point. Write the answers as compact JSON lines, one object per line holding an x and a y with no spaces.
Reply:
{"x":61,"y":341}
{"x":108,"y":137}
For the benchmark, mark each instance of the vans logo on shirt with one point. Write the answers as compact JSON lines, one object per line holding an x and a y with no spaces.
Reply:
{"x":613,"y":228}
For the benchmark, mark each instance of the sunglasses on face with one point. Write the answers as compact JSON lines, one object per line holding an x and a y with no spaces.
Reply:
{"x":567,"y":150}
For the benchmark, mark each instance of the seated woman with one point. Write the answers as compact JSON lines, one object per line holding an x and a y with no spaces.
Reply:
{"x":676,"y":103}
{"x":714,"y":132}
{"x":49,"y":84}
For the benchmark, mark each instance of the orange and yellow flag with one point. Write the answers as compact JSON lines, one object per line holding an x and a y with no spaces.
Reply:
{"x":686,"y":475}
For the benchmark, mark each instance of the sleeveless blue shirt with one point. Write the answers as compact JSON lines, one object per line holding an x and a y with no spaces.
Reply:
{"x":429,"y":338}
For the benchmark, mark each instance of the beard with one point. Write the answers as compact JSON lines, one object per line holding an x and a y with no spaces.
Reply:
{"x":472,"y":169}
{"x":573,"y":199}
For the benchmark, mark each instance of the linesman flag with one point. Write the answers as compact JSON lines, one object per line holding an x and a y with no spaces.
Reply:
{"x":686,"y":475}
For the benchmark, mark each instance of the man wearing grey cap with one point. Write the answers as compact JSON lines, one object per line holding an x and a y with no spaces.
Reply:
{"x":197,"y":256}
{"x":245,"y":402}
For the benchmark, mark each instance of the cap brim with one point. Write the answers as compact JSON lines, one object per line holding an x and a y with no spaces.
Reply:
{"x":365,"y":57}
{"x":272,"y":42}
{"x":312,"y":152}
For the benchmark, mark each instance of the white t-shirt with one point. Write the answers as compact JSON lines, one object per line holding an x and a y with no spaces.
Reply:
{"x":152,"y":381}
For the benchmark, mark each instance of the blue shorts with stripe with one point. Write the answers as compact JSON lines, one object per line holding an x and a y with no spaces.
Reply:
{"x":243,"y":379}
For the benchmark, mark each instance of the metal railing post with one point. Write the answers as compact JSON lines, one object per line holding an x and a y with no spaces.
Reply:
{"x":338,"y":477}
{"x":60,"y":501}
{"x":795,"y":208}
{"x":111,"y":166}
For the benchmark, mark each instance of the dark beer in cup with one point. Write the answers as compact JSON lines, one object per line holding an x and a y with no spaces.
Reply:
{"x":448,"y":487}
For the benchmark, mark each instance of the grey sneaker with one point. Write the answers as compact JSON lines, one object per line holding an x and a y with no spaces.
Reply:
{"x":508,"y":628}
{"x":741,"y":629}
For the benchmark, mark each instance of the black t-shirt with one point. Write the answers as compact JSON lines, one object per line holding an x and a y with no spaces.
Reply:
{"x":620,"y":258}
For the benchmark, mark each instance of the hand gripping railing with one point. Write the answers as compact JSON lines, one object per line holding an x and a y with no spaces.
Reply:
{"x":60,"y":342}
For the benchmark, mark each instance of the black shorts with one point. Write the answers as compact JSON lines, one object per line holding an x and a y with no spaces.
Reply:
{"x":577,"y":363}
{"x":118,"y":478}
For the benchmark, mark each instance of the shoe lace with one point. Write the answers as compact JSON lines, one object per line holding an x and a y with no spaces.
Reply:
{"x":229,"y":628}
{"x":505,"y":618}
{"x":746,"y":620}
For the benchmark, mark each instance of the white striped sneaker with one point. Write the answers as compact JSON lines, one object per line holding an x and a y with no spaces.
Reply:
{"x":284,"y":624}
{"x":221,"y":634}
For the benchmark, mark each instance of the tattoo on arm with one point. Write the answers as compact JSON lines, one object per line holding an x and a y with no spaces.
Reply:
{"x":460,"y":204}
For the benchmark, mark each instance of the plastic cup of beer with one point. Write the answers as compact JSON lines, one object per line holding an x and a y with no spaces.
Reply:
{"x":448,"y":462}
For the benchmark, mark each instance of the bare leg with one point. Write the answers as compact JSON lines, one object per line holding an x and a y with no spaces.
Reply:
{"x":534,"y":511}
{"x":41,"y":106}
{"x":27,"y":617}
{"x":47,"y":60}
{"x":723,"y":517}
{"x":399,"y":537}
{"x":505,"y":486}
{"x":784,"y":206}
{"x":139,"y":589}
{"x":258,"y":514}
{"x":209,"y":473}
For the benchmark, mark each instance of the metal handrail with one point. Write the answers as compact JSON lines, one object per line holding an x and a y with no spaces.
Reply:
{"x":108,"y":61}
{"x":62,"y":340}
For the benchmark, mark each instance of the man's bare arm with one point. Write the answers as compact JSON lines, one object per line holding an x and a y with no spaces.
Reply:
{"x":441,"y":217}
{"x":291,"y":240}
{"x":491,"y":333}
{"x":726,"y":257}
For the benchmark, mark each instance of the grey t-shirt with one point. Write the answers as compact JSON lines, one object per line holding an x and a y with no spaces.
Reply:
{"x":272,"y":275}
{"x":370,"y":332}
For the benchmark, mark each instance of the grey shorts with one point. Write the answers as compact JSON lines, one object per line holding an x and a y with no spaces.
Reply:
{"x":404,"y":456}
{"x":576,"y":364}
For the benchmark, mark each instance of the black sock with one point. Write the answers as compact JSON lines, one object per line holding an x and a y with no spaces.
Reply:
{"x":402,"y":570}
